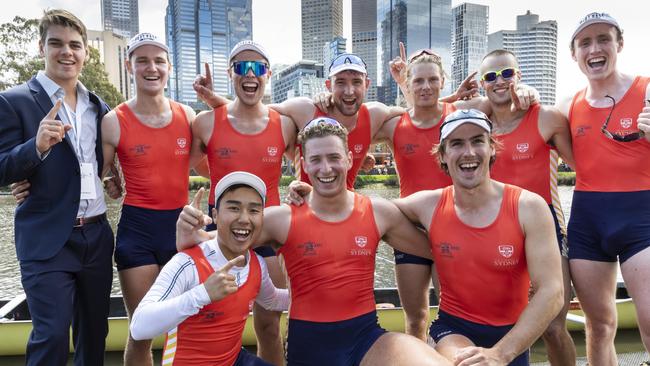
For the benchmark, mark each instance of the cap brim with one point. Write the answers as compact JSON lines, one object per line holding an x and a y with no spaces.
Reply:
{"x":147,"y":43}
{"x":451,"y":127}
{"x":347,"y":67}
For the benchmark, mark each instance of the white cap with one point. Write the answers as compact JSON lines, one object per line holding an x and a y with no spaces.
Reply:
{"x":594,"y":18}
{"x":248,"y":45}
{"x":462,"y":116}
{"x":345,"y":62}
{"x":240,"y":177}
{"x":142,"y":39}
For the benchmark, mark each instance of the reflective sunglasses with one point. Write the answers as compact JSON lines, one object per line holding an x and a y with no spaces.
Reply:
{"x":615,"y":136}
{"x":321,"y":120}
{"x":424,"y":51}
{"x":241,"y":67}
{"x":506,"y":74}
{"x":347,"y":58}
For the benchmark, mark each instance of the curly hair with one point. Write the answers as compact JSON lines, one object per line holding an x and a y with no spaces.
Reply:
{"x":322,"y":129}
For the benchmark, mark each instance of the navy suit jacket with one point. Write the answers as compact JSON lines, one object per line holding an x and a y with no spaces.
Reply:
{"x":44,"y":221}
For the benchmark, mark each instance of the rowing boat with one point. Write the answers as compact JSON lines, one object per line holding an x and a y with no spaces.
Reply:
{"x":15,"y":323}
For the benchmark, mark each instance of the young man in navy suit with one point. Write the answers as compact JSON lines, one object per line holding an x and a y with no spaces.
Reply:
{"x":50,"y":135}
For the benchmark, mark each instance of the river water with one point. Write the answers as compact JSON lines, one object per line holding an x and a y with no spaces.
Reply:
{"x":10,"y":274}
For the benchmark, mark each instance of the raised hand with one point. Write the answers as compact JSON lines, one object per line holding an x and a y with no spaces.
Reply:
{"x":296,"y":192}
{"x":468,"y":89}
{"x":20,"y":190}
{"x":189,"y":227}
{"x":50,"y":131}
{"x":203,"y":86}
{"x":398,"y":66}
{"x":221,"y":283}
{"x":522,"y":97}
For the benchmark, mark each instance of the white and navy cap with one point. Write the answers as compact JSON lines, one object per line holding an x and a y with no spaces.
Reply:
{"x":345,"y":62}
{"x":248,"y":45}
{"x":462,"y":116}
{"x":143,"y":39}
{"x":594,"y":18}
{"x":240,"y":177}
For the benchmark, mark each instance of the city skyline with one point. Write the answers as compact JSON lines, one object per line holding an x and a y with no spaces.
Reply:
{"x":286,"y":48}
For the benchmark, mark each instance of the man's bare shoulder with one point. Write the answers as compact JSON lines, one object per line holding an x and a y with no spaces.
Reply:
{"x":189,"y":112}
{"x":564,"y":104}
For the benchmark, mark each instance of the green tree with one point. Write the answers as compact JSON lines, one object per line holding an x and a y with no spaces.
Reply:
{"x":18,"y":64}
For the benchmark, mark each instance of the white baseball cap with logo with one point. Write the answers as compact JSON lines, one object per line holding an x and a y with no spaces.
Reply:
{"x":462,"y":116}
{"x":143,"y":39}
{"x":248,"y":45}
{"x":239,"y":177}
{"x":594,"y":18}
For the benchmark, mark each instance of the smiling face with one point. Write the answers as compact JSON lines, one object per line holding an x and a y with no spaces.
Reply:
{"x":425,"y":81}
{"x":498,"y":91}
{"x":150,"y":67}
{"x":326,"y":161}
{"x":249,"y":88}
{"x":348,"y":90}
{"x":596,"y":49}
{"x":64,"y":52}
{"x":467,"y":153}
{"x":239,"y":220}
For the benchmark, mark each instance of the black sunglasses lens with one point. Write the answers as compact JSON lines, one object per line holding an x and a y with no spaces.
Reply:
{"x":490,"y":76}
{"x":507,"y":73}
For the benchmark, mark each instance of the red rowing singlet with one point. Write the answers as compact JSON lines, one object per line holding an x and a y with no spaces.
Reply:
{"x":417,"y":165}
{"x":155,"y":161}
{"x":214,"y":335}
{"x":483,"y":272}
{"x":358,"y":142}
{"x":261,"y":154}
{"x":526,"y":160}
{"x":331,"y":265}
{"x":604,"y":165}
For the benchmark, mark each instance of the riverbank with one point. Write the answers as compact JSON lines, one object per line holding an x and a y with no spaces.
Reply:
{"x":388,"y":180}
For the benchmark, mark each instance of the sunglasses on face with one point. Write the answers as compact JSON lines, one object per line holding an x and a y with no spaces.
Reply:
{"x":321,"y":120}
{"x":506,"y":74}
{"x":241,"y":67}
{"x":424,"y":51}
{"x":615,"y":136}
{"x":347,"y":58}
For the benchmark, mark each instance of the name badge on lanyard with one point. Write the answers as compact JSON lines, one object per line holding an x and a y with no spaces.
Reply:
{"x":88,"y":191}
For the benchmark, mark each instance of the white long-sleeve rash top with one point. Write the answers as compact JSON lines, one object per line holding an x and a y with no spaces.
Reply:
{"x":177,"y":294}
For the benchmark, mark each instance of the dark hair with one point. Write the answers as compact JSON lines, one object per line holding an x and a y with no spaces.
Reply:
{"x":230,"y":189}
{"x":63,"y":18}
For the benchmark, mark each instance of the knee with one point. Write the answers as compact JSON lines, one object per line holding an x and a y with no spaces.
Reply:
{"x":555,"y":330}
{"x":417,"y":318}
{"x":601,"y":329}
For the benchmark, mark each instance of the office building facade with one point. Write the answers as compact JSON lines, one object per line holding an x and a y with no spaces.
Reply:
{"x":322,"y":21}
{"x":204,"y":31}
{"x":112,"y":53}
{"x":120,"y":17}
{"x":418,"y":24}
{"x":332,"y":49}
{"x":302,"y":79}
{"x":469,"y":40}
{"x":364,"y":39}
{"x":535,"y":45}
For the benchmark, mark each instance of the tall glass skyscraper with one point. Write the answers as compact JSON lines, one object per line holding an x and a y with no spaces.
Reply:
{"x":322,"y":21}
{"x":121,"y":17}
{"x":200,"y":31}
{"x":364,"y":39}
{"x":417,"y":23}
{"x":469,"y":40}
{"x":535,"y":45}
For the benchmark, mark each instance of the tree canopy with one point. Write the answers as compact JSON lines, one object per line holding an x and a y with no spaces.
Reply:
{"x":19,"y":60}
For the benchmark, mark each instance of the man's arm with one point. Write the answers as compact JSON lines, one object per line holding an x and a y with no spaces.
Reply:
{"x":270,"y":297}
{"x":380,"y":114}
{"x":397,"y":231}
{"x":301,"y":110}
{"x":552,"y":123}
{"x":543,"y":260}
{"x":202,"y":127}
{"x":419,"y":207}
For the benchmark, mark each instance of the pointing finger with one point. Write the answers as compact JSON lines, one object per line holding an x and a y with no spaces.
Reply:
{"x":515,"y":98}
{"x":52,"y":113}
{"x":236,"y":262}
{"x":471,"y":76}
{"x":402,"y":51}
{"x":196,"y":202}
{"x":208,"y":75}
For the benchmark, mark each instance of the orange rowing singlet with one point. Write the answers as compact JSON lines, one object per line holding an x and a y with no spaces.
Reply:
{"x":483,"y":273}
{"x":155,"y":161}
{"x":417,"y":165}
{"x":604,"y":165}
{"x":214,"y":335}
{"x":331,"y":265}
{"x":261,"y":154}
